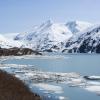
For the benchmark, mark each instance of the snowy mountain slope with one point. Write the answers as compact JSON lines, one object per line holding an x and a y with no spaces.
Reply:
{"x":8,"y":43}
{"x":51,"y":30}
{"x":77,"y":26}
{"x":87,"y":41}
{"x":10,"y":36}
{"x":3,"y":42}
{"x":51,"y":35}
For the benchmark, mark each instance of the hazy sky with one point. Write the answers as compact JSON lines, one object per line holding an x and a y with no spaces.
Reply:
{"x":22,"y":15}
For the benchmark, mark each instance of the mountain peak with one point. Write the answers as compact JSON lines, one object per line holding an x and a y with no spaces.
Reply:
{"x":45,"y":25}
{"x":48,"y":22}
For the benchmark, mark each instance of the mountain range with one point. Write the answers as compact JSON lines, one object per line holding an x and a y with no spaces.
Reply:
{"x":70,"y":37}
{"x":87,"y":41}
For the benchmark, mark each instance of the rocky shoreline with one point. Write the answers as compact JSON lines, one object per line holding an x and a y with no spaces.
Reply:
{"x":15,"y":51}
{"x":11,"y":88}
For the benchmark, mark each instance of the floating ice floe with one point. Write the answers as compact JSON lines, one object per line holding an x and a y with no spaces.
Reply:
{"x":92,"y":77}
{"x":62,"y":98}
{"x":94,"y":88}
{"x":49,"y":87}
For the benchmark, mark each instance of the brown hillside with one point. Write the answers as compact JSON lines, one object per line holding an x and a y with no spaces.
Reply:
{"x":12,"y":88}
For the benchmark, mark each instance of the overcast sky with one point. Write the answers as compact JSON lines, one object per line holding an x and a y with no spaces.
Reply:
{"x":22,"y":15}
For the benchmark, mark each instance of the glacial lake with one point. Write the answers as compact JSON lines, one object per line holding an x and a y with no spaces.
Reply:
{"x":76,"y":88}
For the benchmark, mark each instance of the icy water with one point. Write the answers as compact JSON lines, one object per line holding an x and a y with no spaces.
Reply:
{"x":59,"y":77}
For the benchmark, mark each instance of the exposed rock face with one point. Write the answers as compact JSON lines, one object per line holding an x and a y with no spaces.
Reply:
{"x":17,"y":51}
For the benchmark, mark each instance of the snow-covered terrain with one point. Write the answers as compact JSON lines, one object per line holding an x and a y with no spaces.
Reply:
{"x":51,"y":36}
{"x":8,"y":42}
{"x":10,"y":36}
{"x":5,"y":43}
{"x":87,"y":41}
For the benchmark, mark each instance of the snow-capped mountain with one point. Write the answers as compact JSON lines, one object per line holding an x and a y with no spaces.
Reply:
{"x":87,"y":41}
{"x":51,"y":36}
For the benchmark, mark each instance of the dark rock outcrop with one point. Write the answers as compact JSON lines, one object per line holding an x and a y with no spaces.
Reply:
{"x":17,"y":51}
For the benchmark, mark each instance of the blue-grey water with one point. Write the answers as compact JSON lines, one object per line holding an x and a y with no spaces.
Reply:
{"x":83,"y":64}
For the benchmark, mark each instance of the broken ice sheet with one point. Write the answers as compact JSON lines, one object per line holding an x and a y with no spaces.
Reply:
{"x":30,"y":75}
